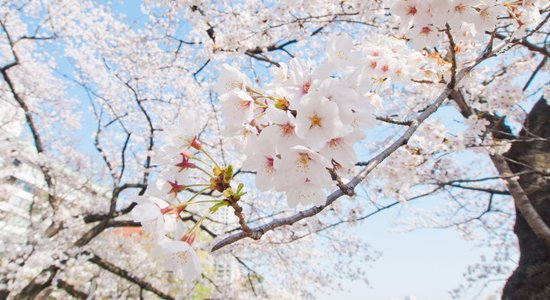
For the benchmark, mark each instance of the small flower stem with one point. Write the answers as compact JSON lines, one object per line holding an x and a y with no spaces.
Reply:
{"x":195,"y":185}
{"x":204,"y":171}
{"x":210,"y":157}
{"x":261,"y":94}
{"x":196,"y":195}
{"x":198,"y":224}
{"x":261,"y":104}
{"x":207,"y":201}
{"x":260,"y":115}
{"x":202,"y":161}
{"x":249,"y":89}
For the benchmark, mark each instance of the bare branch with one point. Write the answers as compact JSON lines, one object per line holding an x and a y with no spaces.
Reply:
{"x":124,"y":223}
{"x":250,"y":271}
{"x":452,"y":50}
{"x":126,"y":275}
{"x":474,"y":188}
{"x":532,"y":77}
{"x":393,"y":121}
{"x":151,"y":142}
{"x":201,"y":68}
{"x":532,"y":47}
{"x":71,"y":290}
{"x":541,"y":229}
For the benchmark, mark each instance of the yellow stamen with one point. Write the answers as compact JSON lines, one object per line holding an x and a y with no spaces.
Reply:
{"x":315,"y":121}
{"x":303,"y":159}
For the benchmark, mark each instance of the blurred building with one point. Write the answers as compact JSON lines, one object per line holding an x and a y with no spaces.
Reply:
{"x":20,"y":183}
{"x":227,"y":275}
{"x":20,"y":186}
{"x":23,"y":189}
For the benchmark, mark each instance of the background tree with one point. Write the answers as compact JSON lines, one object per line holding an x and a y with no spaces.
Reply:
{"x":72,"y":70}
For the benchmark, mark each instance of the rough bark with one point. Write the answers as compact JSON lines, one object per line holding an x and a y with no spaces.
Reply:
{"x":531,"y":279}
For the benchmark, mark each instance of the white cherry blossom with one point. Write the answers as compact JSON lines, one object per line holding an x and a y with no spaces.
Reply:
{"x":282,"y":129}
{"x":299,"y":164}
{"x":237,"y":107}
{"x":461,"y":11}
{"x":341,"y":53}
{"x":179,"y":257}
{"x":408,"y":11}
{"x":306,"y":193}
{"x":262,"y":160}
{"x":178,"y":137}
{"x":424,"y":35}
{"x":340,"y":149}
{"x":301,"y":77}
{"x":318,"y":120}
{"x":148,"y":212}
{"x":486,"y":18}
{"x":230,"y":78}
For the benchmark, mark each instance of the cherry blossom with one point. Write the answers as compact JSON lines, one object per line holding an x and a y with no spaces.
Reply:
{"x":262,"y":160}
{"x":486,"y":18}
{"x":338,"y":51}
{"x":158,"y":115}
{"x":150,"y":211}
{"x":301,"y":164}
{"x":180,"y":258}
{"x":179,"y":137}
{"x":238,"y":107}
{"x":318,"y":120}
{"x":306,"y":193}
{"x":340,"y":149}
{"x":230,"y":78}
{"x":409,"y":11}
{"x":282,"y":130}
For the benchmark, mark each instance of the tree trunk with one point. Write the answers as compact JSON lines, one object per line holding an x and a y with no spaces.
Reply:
{"x":531,"y":279}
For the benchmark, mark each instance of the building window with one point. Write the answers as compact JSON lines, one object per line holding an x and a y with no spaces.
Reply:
{"x":16,"y":162}
{"x":27,"y":187}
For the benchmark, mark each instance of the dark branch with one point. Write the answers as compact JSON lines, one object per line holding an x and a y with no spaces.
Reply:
{"x":71,"y":290}
{"x":126,"y":275}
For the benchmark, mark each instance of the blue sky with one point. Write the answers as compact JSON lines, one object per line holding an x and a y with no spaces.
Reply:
{"x":426,"y":263}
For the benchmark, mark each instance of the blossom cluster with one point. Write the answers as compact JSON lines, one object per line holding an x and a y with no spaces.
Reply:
{"x":424,"y":20}
{"x":159,"y":209}
{"x":299,"y":132}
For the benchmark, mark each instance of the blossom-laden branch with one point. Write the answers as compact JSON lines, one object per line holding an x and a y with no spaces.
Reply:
{"x":257,"y":232}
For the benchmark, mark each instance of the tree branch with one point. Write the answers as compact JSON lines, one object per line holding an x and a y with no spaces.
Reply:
{"x":257,"y":232}
{"x":474,"y":188}
{"x":28,"y":116}
{"x":71,"y":290}
{"x":541,"y":229}
{"x":532,"y":47}
{"x":126,"y":275}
